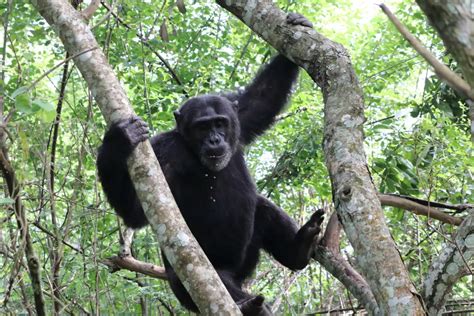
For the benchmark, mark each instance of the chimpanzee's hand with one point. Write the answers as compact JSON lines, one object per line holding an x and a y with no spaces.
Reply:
{"x":298,"y":19}
{"x":309,"y":232}
{"x":133,"y":130}
{"x":312,"y":228}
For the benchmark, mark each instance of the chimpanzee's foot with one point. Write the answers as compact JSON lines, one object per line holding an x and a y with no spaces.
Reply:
{"x":254,"y":306}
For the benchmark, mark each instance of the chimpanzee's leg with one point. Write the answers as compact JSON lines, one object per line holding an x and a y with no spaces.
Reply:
{"x":250,"y":305}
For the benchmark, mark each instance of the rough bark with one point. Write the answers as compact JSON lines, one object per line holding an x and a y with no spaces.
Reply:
{"x":354,"y":194}
{"x":454,"y":22}
{"x":450,"y":266}
{"x":176,"y":240}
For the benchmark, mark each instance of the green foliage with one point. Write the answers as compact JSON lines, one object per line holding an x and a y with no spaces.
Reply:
{"x":416,"y":138}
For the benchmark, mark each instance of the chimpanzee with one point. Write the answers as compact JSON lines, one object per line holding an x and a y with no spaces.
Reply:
{"x":204,"y":165}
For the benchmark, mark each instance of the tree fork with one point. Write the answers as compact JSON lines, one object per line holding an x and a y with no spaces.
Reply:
{"x":355,"y":197}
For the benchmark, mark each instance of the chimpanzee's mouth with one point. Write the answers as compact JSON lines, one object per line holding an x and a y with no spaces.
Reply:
{"x":216,"y":156}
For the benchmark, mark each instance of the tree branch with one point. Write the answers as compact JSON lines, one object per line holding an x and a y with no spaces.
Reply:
{"x":32,"y":260}
{"x":117,"y":263}
{"x":175,"y":238}
{"x":88,"y":12}
{"x":418,"y":209}
{"x":327,"y":254}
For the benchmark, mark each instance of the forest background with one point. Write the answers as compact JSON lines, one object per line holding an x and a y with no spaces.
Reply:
{"x":417,"y":144}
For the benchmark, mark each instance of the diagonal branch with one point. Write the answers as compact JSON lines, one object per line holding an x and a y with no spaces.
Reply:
{"x":446,"y":74}
{"x":117,"y":263}
{"x":175,"y":238}
{"x":454,"y":22}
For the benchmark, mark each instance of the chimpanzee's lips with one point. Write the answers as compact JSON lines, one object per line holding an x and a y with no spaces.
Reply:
{"x":216,"y":156}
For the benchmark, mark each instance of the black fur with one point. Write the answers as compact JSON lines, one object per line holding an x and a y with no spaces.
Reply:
{"x":220,"y":205}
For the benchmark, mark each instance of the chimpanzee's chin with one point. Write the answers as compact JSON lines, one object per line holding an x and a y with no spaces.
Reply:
{"x":216,"y":164}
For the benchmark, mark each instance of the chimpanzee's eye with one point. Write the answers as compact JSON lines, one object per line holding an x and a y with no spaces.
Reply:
{"x":220,"y":123}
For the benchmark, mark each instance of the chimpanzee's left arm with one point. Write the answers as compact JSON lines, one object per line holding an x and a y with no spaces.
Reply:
{"x":265,"y":97}
{"x":268,"y":93}
{"x":279,"y":235}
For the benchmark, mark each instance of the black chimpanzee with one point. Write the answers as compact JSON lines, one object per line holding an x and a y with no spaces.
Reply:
{"x":204,"y":165}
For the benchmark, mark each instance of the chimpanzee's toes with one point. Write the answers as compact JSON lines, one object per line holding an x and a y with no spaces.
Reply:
{"x":298,"y":19}
{"x":254,"y":306}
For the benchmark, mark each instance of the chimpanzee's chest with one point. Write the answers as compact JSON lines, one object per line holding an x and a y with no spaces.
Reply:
{"x":219,"y":208}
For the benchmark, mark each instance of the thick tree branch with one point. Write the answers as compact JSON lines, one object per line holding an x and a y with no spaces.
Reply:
{"x":419,"y":209}
{"x":335,"y":264}
{"x":355,"y":197}
{"x":176,"y":240}
{"x":332,"y":235}
{"x":450,"y":266}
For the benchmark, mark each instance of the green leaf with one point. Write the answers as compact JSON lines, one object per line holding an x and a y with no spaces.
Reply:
{"x":23,"y":143}
{"x":46,"y":116}
{"x":6,"y":201}
{"x":19,"y":91}
{"x":44,"y":105}
{"x":23,"y":103}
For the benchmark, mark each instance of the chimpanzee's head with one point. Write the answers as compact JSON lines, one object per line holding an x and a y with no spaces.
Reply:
{"x":211,"y":127}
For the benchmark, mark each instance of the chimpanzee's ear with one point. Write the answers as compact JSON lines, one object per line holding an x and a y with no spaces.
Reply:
{"x":177,"y":116}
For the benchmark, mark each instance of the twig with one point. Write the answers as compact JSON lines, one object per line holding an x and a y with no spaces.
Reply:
{"x":117,"y":263}
{"x":287,"y":115}
{"x":443,"y":72}
{"x":31,"y":86}
{"x":456,"y":207}
{"x":244,"y":50}
{"x":145,"y":42}
{"x":106,"y":16}
{"x":88,"y":12}
{"x":44,"y":230}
